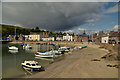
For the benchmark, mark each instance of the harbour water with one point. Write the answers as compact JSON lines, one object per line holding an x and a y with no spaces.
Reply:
{"x":11,"y":60}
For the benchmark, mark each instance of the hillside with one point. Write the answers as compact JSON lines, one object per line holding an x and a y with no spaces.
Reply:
{"x":10,"y":30}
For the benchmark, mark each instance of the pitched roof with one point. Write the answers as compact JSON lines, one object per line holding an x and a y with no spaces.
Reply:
{"x":115,"y":34}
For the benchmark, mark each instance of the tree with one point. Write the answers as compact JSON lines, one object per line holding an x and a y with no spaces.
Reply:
{"x":60,"y":33}
{"x":32,"y":30}
{"x":37,"y":28}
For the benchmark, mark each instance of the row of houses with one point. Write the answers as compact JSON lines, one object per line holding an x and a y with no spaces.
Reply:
{"x":112,"y":37}
{"x":105,"y":37}
{"x":38,"y":36}
{"x":101,"y":37}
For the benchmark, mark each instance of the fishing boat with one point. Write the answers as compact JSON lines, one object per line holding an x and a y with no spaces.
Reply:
{"x":43,"y":52}
{"x":44,"y":55}
{"x":32,"y":66}
{"x":27,"y":46}
{"x":12,"y":47}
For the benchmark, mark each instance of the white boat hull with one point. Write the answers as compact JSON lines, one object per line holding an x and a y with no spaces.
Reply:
{"x":12,"y":48}
{"x":28,"y":65}
{"x":47,"y":53}
{"x":45,"y":56}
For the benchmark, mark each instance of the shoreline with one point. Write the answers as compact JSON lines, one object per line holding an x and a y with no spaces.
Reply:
{"x":64,"y":43}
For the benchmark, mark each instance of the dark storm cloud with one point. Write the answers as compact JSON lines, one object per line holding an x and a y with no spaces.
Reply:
{"x":51,"y":16}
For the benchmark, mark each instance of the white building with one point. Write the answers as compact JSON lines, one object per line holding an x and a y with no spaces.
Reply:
{"x":67,"y":37}
{"x":34,"y":37}
{"x":59,"y":38}
{"x":104,"y":39}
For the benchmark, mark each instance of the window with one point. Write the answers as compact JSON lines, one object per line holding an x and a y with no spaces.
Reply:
{"x":27,"y":64}
{"x":33,"y":64}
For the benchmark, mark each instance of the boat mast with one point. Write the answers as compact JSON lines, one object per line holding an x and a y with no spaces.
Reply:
{"x":15,"y":34}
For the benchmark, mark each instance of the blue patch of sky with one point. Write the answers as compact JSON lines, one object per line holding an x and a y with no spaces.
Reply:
{"x":106,"y":22}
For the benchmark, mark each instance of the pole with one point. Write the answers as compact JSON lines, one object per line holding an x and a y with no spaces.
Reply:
{"x":15,"y":34}
{"x":92,"y":38}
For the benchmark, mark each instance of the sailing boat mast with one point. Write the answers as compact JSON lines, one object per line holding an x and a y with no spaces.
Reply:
{"x":15,"y":34}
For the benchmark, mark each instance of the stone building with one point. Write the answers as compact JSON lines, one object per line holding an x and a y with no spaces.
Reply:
{"x":115,"y":37}
{"x":37,"y":36}
{"x":84,"y":37}
{"x":76,"y":38}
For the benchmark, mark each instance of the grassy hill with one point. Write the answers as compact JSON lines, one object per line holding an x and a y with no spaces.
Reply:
{"x":10,"y":30}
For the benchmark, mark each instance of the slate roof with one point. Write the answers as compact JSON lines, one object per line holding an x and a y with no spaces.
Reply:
{"x":115,"y":34}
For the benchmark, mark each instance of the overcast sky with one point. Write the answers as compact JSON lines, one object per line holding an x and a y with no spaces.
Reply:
{"x":75,"y":16}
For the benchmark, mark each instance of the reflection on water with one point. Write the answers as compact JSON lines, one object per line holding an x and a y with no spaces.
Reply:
{"x":11,"y":60}
{"x":50,"y":59}
{"x":13,"y":51}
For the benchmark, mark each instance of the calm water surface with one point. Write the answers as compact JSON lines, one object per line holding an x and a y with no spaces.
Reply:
{"x":11,"y":61}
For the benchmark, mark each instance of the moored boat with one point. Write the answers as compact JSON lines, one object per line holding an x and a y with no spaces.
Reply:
{"x":84,"y":46}
{"x":32,"y":66}
{"x":27,"y":46}
{"x":12,"y":47}
{"x":77,"y":47}
{"x":57,"y":52}
{"x":43,"y":52}
{"x":64,"y":49}
{"x":44,"y":55}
